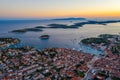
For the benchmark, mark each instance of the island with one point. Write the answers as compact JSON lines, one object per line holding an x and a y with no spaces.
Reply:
{"x":93,"y":41}
{"x":41,"y":27}
{"x":78,"y":24}
{"x":64,"y":26}
{"x":71,"y":18}
{"x":96,"y":22}
{"x":26,"y":30}
{"x":44,"y":36}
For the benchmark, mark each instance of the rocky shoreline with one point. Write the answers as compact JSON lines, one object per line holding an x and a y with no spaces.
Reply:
{"x":6,"y":42}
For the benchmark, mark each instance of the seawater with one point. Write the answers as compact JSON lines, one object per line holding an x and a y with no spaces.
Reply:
{"x":66,"y":38}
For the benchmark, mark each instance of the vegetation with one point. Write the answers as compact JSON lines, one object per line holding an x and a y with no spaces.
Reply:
{"x":44,"y":36}
{"x":82,"y":62}
{"x":104,"y":73}
{"x":96,"y":22}
{"x":8,"y":40}
{"x":108,"y":36}
{"x":115,"y":78}
{"x":116,"y":49}
{"x":26,"y":30}
{"x":71,"y":18}
{"x":81,"y":73}
{"x":95,"y":41}
{"x":40,"y":27}
{"x":61,"y":26}
{"x":19,"y":31}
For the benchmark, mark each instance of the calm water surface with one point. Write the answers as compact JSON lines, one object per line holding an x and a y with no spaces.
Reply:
{"x":67,"y":38}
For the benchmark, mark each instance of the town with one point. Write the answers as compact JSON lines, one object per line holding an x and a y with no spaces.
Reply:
{"x":28,"y":63}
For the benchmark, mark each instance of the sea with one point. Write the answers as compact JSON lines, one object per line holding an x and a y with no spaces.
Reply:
{"x":61,"y":38}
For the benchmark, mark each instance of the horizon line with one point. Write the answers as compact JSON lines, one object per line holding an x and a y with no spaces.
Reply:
{"x":52,"y":18}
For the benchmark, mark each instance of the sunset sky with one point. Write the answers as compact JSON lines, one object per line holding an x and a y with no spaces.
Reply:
{"x":58,"y":8}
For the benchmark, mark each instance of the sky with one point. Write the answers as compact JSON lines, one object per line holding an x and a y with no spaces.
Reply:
{"x":23,"y":9}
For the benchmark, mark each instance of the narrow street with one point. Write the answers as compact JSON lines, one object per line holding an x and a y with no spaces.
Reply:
{"x":89,"y":75}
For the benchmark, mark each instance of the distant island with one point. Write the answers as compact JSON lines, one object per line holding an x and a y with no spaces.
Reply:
{"x":26,"y":30}
{"x":61,"y":26}
{"x":96,"y":22}
{"x":64,"y":26}
{"x":71,"y":18}
{"x":77,"y":25}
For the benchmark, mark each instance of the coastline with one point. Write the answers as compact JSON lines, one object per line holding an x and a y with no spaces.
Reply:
{"x":32,"y":56}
